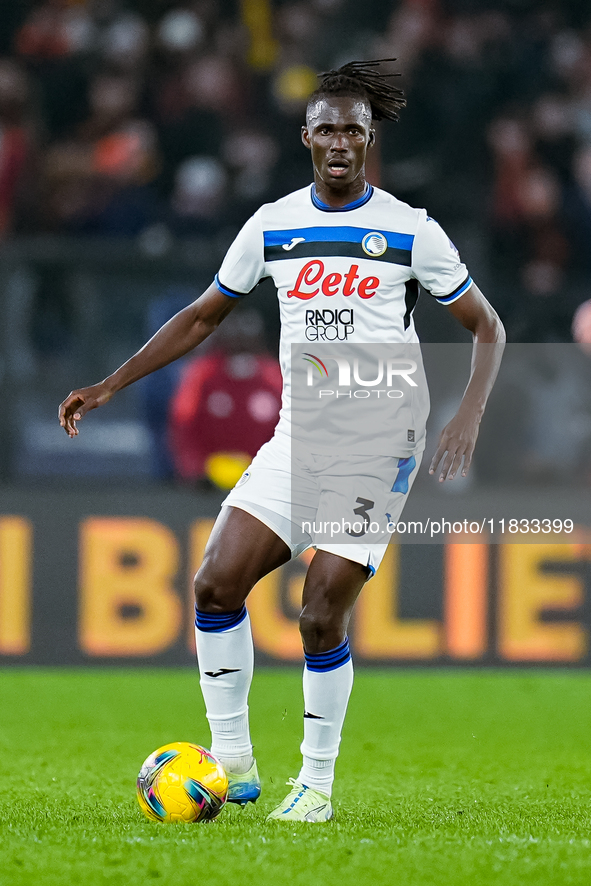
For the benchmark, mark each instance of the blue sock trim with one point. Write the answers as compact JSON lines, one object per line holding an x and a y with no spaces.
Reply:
{"x":211,"y":622}
{"x":329,"y":661}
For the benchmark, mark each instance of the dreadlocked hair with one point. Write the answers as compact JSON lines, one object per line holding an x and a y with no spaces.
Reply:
{"x":364,"y":79}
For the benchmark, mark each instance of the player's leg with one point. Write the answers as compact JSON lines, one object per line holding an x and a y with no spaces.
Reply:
{"x":331,"y":588}
{"x":240,"y":551}
{"x":336,"y":575}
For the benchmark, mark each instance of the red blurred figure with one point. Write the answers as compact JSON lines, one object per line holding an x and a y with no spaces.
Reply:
{"x":55,"y":29}
{"x":227,"y":401}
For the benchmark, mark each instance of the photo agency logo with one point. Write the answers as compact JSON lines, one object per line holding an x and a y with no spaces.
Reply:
{"x":351,"y":402}
{"x":347,"y":374}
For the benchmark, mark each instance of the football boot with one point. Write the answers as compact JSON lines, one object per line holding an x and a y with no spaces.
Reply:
{"x":302,"y":804}
{"x":244,"y":788}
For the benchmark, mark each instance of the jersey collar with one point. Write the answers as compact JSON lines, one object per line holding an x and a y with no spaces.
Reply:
{"x":361,"y":201}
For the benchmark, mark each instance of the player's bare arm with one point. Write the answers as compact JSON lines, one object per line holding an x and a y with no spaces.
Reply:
{"x":458,"y":438}
{"x":176,"y":338}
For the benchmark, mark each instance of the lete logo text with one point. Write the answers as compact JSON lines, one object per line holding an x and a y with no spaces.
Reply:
{"x":312,"y":280}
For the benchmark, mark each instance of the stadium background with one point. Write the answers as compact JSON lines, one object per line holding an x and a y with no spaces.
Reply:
{"x":135,"y":139}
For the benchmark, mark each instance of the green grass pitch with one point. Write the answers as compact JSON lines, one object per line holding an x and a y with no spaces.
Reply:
{"x":445,"y":778}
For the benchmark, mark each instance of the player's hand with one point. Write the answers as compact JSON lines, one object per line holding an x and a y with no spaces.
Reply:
{"x":78,"y":403}
{"x":457,"y":442}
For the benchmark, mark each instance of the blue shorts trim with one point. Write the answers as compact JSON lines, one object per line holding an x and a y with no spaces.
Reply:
{"x":405,"y":468}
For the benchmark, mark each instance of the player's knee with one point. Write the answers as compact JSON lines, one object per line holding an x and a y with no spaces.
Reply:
{"x":320,"y":631}
{"x":217,"y":591}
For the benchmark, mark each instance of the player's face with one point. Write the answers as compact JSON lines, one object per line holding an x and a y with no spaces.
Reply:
{"x":338,"y":132}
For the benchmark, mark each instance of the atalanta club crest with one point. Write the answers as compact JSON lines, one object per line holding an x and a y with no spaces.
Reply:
{"x":374,"y":243}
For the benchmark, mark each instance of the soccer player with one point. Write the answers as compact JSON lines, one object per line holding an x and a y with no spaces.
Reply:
{"x":343,"y":245}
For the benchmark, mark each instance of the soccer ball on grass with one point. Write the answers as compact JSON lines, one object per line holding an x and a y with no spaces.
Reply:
{"x":182,"y":782}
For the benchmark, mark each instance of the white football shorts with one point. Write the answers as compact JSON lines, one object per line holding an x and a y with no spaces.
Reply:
{"x":347,"y":505}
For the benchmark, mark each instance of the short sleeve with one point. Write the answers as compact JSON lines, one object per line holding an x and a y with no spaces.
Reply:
{"x":436,"y":262}
{"x":244,"y":263}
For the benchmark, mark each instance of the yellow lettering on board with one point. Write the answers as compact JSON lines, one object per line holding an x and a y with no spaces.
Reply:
{"x":128,"y":606}
{"x":525,"y":590}
{"x":379,"y":632}
{"x":16,"y":538}
{"x":465,"y":599}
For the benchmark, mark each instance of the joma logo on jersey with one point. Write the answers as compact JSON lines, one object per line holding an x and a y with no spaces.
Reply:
{"x":312,"y":280}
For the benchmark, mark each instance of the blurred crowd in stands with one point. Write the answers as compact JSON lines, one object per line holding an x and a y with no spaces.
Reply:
{"x":178,"y":119}
{"x":119,"y":115}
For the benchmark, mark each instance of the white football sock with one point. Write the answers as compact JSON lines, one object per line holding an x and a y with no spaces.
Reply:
{"x":328,"y":679}
{"x":226,"y":658}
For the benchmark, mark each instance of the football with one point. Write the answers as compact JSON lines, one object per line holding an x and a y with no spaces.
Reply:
{"x":182,"y":782}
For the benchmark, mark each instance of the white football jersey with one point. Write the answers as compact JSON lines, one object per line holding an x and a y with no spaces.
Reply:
{"x":346,"y":275}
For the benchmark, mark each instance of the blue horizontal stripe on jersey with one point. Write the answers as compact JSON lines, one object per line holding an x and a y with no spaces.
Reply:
{"x":336,"y":234}
{"x":445,"y":299}
{"x":211,"y":622}
{"x":326,"y":249}
{"x":324,"y":242}
{"x":328,"y":661}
